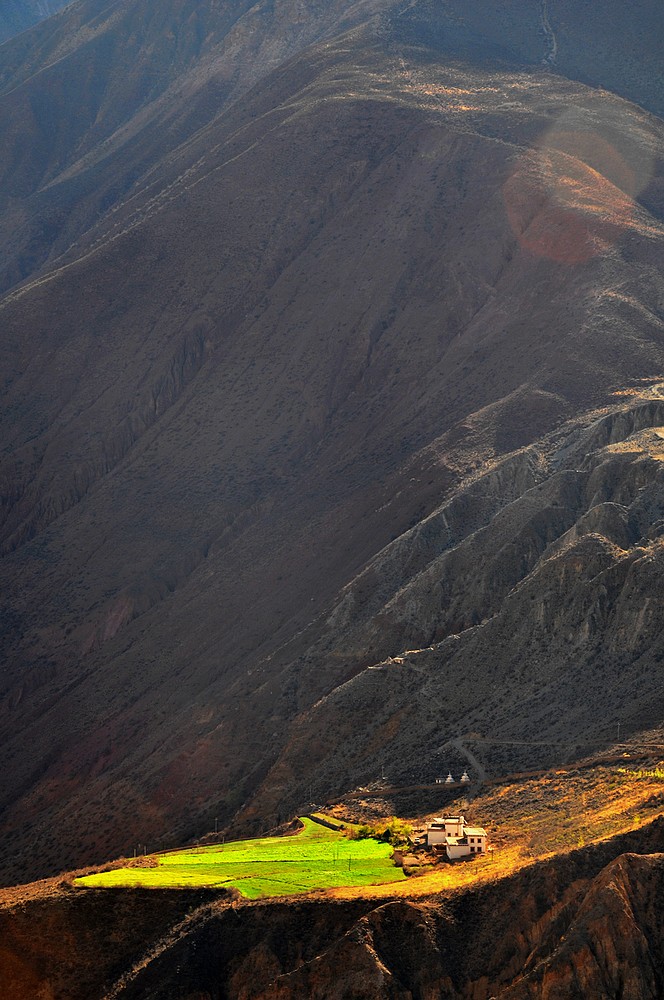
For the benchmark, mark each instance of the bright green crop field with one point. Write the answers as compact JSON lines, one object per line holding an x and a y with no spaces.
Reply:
{"x":314,"y":858}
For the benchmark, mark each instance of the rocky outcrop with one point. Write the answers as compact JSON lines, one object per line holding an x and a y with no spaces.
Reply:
{"x":613,"y":946}
{"x":548,"y":597}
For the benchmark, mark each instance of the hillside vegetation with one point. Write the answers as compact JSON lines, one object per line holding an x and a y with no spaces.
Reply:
{"x":510,"y":925}
{"x":313,"y":858}
{"x":530,"y":820}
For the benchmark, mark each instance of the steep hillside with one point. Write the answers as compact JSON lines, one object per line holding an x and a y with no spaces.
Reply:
{"x":315,"y":329}
{"x":584,"y":925}
{"x":18,"y":15}
{"x":524,"y":609}
{"x":95,"y":101}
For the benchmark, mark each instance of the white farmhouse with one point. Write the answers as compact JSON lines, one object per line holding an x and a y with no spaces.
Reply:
{"x":440,"y":829}
{"x":458,"y":839}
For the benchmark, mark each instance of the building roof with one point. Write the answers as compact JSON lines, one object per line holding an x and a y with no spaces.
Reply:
{"x":474,"y":831}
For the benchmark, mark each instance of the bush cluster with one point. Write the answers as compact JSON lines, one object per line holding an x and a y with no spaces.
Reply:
{"x":397,"y":832}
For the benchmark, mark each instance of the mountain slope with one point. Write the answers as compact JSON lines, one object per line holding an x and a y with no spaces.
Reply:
{"x":584,"y":924}
{"x":18,"y":15}
{"x":535,"y":621}
{"x":259,"y":323}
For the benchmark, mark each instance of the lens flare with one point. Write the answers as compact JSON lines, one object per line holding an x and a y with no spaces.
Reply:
{"x":573,"y":196}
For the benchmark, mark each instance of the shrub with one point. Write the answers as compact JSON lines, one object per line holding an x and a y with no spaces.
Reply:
{"x":397,"y":832}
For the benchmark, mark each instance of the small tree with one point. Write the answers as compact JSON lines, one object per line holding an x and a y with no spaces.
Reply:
{"x":397,"y":832}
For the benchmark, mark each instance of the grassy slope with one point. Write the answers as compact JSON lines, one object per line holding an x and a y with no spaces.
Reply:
{"x":529,"y":820}
{"x":316,"y":858}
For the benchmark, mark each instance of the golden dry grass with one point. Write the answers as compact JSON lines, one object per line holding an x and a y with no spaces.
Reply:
{"x":534,"y":819}
{"x":528,"y":820}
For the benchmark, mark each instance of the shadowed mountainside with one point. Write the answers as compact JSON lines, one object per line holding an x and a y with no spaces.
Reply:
{"x":306,"y":313}
{"x":524,"y":608}
{"x":18,"y":15}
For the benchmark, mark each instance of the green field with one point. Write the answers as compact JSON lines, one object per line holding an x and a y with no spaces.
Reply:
{"x":314,"y":858}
